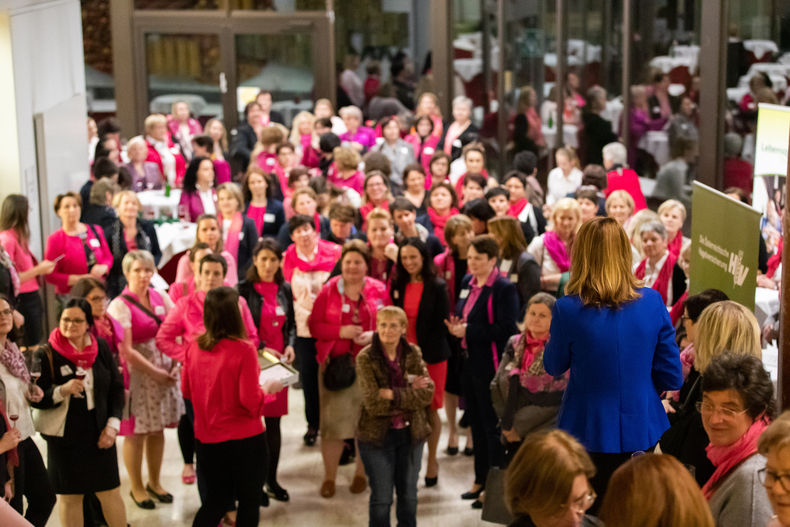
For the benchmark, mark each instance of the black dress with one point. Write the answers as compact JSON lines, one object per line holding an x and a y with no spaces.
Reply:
{"x":75,"y":463}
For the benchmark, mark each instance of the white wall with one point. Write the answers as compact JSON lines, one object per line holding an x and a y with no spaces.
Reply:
{"x":48,"y":71}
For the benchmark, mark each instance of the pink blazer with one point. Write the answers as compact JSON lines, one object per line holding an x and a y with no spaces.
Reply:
{"x":21,"y":256}
{"x":74,"y":262}
{"x":185,"y":320}
{"x":194,"y":204}
{"x":184,"y":270}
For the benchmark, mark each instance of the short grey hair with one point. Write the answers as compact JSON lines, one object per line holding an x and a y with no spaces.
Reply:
{"x":463,"y":99}
{"x":350,"y":111}
{"x":137,"y":256}
{"x":653,"y":226}
{"x":733,"y":143}
{"x":616,"y":152}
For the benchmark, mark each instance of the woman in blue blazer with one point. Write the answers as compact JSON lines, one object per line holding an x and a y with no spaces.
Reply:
{"x":486,"y":315}
{"x":619,"y":344}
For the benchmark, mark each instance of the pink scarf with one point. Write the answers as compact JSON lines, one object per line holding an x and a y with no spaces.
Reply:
{"x":439,"y":221}
{"x":532,"y":375}
{"x":63,"y":346}
{"x":14,"y":361}
{"x":557,"y":250}
{"x":727,"y":458}
{"x":232,"y":243}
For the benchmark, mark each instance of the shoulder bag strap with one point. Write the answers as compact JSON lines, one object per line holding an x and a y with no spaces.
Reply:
{"x":143,"y":309}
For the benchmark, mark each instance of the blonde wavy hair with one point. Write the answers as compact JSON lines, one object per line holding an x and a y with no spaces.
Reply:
{"x":601,"y":265}
{"x":725,"y":326}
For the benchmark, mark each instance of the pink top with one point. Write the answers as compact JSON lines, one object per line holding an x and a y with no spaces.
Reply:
{"x":257,"y":214}
{"x":185,"y":320}
{"x":21,"y":256}
{"x":74,"y":262}
{"x":222,"y":384}
{"x":143,"y":327}
{"x":184,"y":269}
{"x":356,"y":181}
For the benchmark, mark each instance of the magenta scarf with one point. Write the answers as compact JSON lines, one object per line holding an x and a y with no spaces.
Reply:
{"x":728,"y":457}
{"x":557,"y":250}
{"x":14,"y":361}
{"x":232,"y":243}
{"x":63,"y":346}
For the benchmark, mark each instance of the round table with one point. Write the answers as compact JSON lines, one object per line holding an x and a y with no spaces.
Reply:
{"x":156,"y":205}
{"x":174,"y":238}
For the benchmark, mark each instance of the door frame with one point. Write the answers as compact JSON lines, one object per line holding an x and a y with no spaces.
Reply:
{"x":132,"y":104}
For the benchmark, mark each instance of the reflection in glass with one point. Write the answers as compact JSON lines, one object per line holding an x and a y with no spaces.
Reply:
{"x":97,"y":47}
{"x":176,"y":4}
{"x":281,"y":6}
{"x":281,"y":64}
{"x":184,"y":67}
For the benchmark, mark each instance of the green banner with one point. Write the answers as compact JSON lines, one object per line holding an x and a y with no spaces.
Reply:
{"x":724,"y":245}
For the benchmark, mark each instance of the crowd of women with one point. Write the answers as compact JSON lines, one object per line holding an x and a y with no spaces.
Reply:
{"x":399,"y":278}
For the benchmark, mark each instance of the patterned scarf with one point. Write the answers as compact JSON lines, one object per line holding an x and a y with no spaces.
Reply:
{"x":14,"y":361}
{"x":5,"y":260}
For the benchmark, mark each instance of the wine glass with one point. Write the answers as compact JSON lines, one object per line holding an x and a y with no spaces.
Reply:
{"x":80,"y":374}
{"x":35,"y":371}
{"x":13,"y":413}
{"x":183,"y":214}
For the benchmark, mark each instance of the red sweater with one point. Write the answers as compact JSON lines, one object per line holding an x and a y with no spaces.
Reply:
{"x":223,"y":387}
{"x":626,"y":179}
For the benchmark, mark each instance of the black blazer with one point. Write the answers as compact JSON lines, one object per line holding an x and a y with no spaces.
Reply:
{"x":526,"y":226}
{"x":284,"y":237}
{"x":284,"y":298}
{"x":248,"y":238}
{"x":108,"y":393}
{"x":472,"y":133}
{"x":242,"y":142}
{"x":101,"y":215}
{"x":597,"y":133}
{"x":145,"y":239}
{"x":480,"y":334}
{"x":526,"y":275}
{"x":271,"y":228}
{"x":433,"y":310}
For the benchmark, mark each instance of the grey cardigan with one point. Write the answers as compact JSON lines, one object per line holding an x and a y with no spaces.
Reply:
{"x":741,"y":501}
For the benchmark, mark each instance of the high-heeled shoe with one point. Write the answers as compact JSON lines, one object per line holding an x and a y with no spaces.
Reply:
{"x":277,"y":492}
{"x":469,"y":451}
{"x":472,"y":494}
{"x":451,"y":450}
{"x":431,"y":482}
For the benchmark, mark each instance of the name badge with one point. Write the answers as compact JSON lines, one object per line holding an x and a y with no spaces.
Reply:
{"x":268,"y":217}
{"x":241,"y":236}
{"x":396,"y":294}
{"x":346,"y":308}
{"x":448,"y":275}
{"x":279,"y":311}
{"x":464,"y":293}
{"x":505,"y":265}
{"x":270,"y":161}
{"x":514,"y":278}
{"x":404,"y":150}
{"x":428,"y":151}
{"x":457,"y":143}
{"x":94,"y":243}
{"x":159,"y":310}
{"x":65,"y":370}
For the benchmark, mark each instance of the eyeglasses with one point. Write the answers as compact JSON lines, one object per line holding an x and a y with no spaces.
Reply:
{"x":75,"y":321}
{"x":705,"y":408}
{"x":7,"y":312}
{"x":768,"y":479}
{"x":583,"y":503}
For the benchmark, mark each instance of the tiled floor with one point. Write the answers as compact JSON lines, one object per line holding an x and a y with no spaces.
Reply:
{"x":301,"y":473}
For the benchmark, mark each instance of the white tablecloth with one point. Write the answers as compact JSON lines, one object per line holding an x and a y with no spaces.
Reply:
{"x":760,"y":47}
{"x":174,"y":238}
{"x":577,"y":47}
{"x":784,"y":59}
{"x":766,"y":305}
{"x":775,"y":68}
{"x":156,"y":205}
{"x":570,"y":135}
{"x":667,"y":64}
{"x":657,"y":143}
{"x":736,"y":94}
{"x":550,"y":60}
{"x":778,"y":80}
{"x":691,"y":52}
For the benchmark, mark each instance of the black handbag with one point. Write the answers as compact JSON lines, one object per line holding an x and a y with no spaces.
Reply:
{"x":340,"y":372}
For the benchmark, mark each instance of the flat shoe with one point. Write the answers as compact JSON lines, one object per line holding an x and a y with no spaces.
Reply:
{"x":163,"y":498}
{"x":451,"y":450}
{"x":358,"y":485}
{"x":477,"y":504}
{"x":310,"y":437}
{"x":328,"y":489}
{"x":431,"y":482}
{"x":277,"y":492}
{"x":147,"y":504}
{"x":469,"y":451}
{"x":472,"y":494}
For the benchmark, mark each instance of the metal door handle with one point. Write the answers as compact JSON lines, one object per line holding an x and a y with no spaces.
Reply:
{"x":223,"y":82}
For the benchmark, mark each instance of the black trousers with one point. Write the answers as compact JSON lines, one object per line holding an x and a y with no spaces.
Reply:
{"x":605,"y":465}
{"x":308,"y":375}
{"x":483,"y":421}
{"x":31,"y":307}
{"x":232,"y":469}
{"x":32,"y":481}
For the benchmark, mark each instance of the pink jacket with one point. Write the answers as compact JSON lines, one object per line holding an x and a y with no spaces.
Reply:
{"x":185,"y":320}
{"x":221,"y":171}
{"x":184,"y":270}
{"x":194,"y":204}
{"x":423,"y":150}
{"x":355,"y":182}
{"x":194,"y":126}
{"x":325,"y":320}
{"x":74,"y":262}
{"x":21,"y":256}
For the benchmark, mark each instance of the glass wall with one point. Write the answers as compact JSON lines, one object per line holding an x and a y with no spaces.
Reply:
{"x":280,"y":6}
{"x":176,"y":4}
{"x":97,"y":47}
